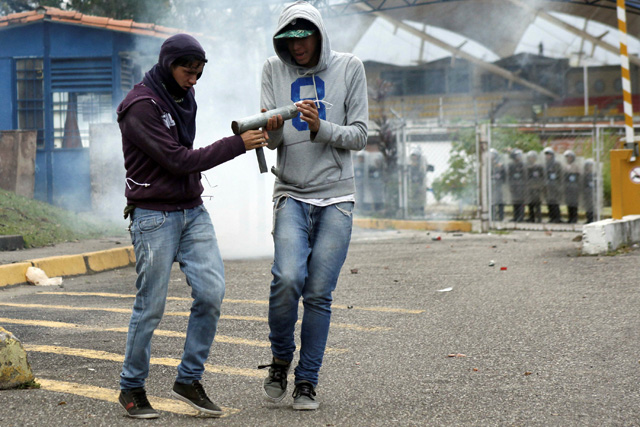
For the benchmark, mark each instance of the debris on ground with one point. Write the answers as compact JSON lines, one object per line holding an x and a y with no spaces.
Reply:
{"x":38,"y":277}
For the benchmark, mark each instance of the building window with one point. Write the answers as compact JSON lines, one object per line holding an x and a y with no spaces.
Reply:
{"x":129,"y":72}
{"x":30,"y":96}
{"x":493,"y":83}
{"x":617,"y":84}
{"x":458,"y":80}
{"x":435,"y":82}
{"x":395,"y":78}
{"x":415,"y":83}
{"x":598,"y":86}
{"x":73,"y":112}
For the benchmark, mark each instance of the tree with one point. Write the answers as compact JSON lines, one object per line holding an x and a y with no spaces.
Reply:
{"x":460,"y":179}
{"x":141,"y":11}
{"x":14,"y":6}
{"x":387,"y":145}
{"x":153,"y":11}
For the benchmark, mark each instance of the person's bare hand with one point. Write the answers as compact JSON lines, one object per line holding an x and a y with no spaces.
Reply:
{"x":310,"y":115}
{"x":253,"y":139}
{"x":274,"y":123}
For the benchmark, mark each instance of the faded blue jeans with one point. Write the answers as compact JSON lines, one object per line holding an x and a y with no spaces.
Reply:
{"x":159,"y":239}
{"x":311,"y":245}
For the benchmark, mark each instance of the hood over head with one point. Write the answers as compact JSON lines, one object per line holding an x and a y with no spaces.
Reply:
{"x":295,"y":12}
{"x":180,"y":103}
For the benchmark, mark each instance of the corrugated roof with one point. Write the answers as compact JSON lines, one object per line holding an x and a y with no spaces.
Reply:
{"x":71,"y":17}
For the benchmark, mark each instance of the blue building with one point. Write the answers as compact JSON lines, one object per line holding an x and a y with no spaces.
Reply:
{"x":62,"y":71}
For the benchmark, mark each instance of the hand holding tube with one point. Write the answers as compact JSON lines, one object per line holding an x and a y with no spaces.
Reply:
{"x":253,"y":140}
{"x":268,"y":119}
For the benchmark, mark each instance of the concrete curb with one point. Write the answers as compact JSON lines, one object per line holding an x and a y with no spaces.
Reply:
{"x":399,"y":224}
{"x":610,"y":234}
{"x":68,"y":265}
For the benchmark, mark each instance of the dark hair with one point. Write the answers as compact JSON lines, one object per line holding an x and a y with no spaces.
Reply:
{"x":188,"y":60}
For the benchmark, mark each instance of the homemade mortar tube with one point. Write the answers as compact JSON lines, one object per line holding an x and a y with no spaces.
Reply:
{"x":259,"y":120}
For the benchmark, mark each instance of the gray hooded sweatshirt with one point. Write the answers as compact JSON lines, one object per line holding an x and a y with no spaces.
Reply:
{"x":318,"y":167}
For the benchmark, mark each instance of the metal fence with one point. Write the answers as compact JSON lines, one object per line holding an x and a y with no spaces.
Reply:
{"x":499,"y":173}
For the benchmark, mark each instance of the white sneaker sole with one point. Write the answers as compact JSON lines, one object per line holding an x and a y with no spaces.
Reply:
{"x":203,"y":411}
{"x":306,"y":406}
{"x":273,"y":399}
{"x":140,"y":416}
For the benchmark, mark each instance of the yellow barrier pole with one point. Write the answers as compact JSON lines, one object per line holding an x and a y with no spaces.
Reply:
{"x":626,"y":75}
{"x":621,"y":158}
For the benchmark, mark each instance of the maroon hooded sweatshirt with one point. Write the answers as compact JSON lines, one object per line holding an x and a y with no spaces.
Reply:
{"x":163,"y":169}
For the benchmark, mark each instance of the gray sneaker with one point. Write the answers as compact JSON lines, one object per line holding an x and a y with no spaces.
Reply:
{"x":304,"y":397}
{"x":275,"y":385}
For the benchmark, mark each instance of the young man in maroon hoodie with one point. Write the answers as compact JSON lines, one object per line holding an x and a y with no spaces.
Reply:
{"x":168,"y":220}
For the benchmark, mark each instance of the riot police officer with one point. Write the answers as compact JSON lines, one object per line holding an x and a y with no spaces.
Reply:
{"x":553,"y":181}
{"x":517,"y":184}
{"x":535,"y":187}
{"x":359,"y":171}
{"x":376,"y":183}
{"x":588,"y":189}
{"x":417,"y":193}
{"x":571,"y":186}
{"x":498,"y":179}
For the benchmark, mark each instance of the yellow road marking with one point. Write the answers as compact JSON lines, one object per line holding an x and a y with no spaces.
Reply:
{"x":45,"y":323}
{"x":114,"y":357}
{"x":108,"y":395}
{"x":185,"y":314}
{"x":239,"y":301}
{"x":160,"y":332}
{"x":379,"y":309}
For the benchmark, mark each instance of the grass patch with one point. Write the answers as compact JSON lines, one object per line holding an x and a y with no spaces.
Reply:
{"x":29,"y":385}
{"x":41,"y":224}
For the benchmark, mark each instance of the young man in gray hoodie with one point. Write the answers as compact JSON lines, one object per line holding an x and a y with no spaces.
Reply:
{"x":314,"y":189}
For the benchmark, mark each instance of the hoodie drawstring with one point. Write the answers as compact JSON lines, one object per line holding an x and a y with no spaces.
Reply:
{"x":327,"y":105}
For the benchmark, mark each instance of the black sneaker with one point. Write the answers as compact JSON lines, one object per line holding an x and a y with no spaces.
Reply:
{"x":194,"y":395}
{"x":304,"y":397}
{"x":275,"y":385}
{"x":135,"y":402}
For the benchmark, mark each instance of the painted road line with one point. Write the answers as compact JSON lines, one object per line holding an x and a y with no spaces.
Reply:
{"x":378,"y":309}
{"x":238,"y":301}
{"x":114,"y":357}
{"x":160,"y":332}
{"x":109,"y":395}
{"x":186,"y":314}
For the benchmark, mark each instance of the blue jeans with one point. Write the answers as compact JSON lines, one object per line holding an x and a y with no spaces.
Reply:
{"x":159,"y":239}
{"x":311,"y":245}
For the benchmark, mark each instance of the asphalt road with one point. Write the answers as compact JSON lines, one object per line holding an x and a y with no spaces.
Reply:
{"x":425,"y":332}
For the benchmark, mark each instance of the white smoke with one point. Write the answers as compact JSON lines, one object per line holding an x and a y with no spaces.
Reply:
{"x":237,"y":195}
